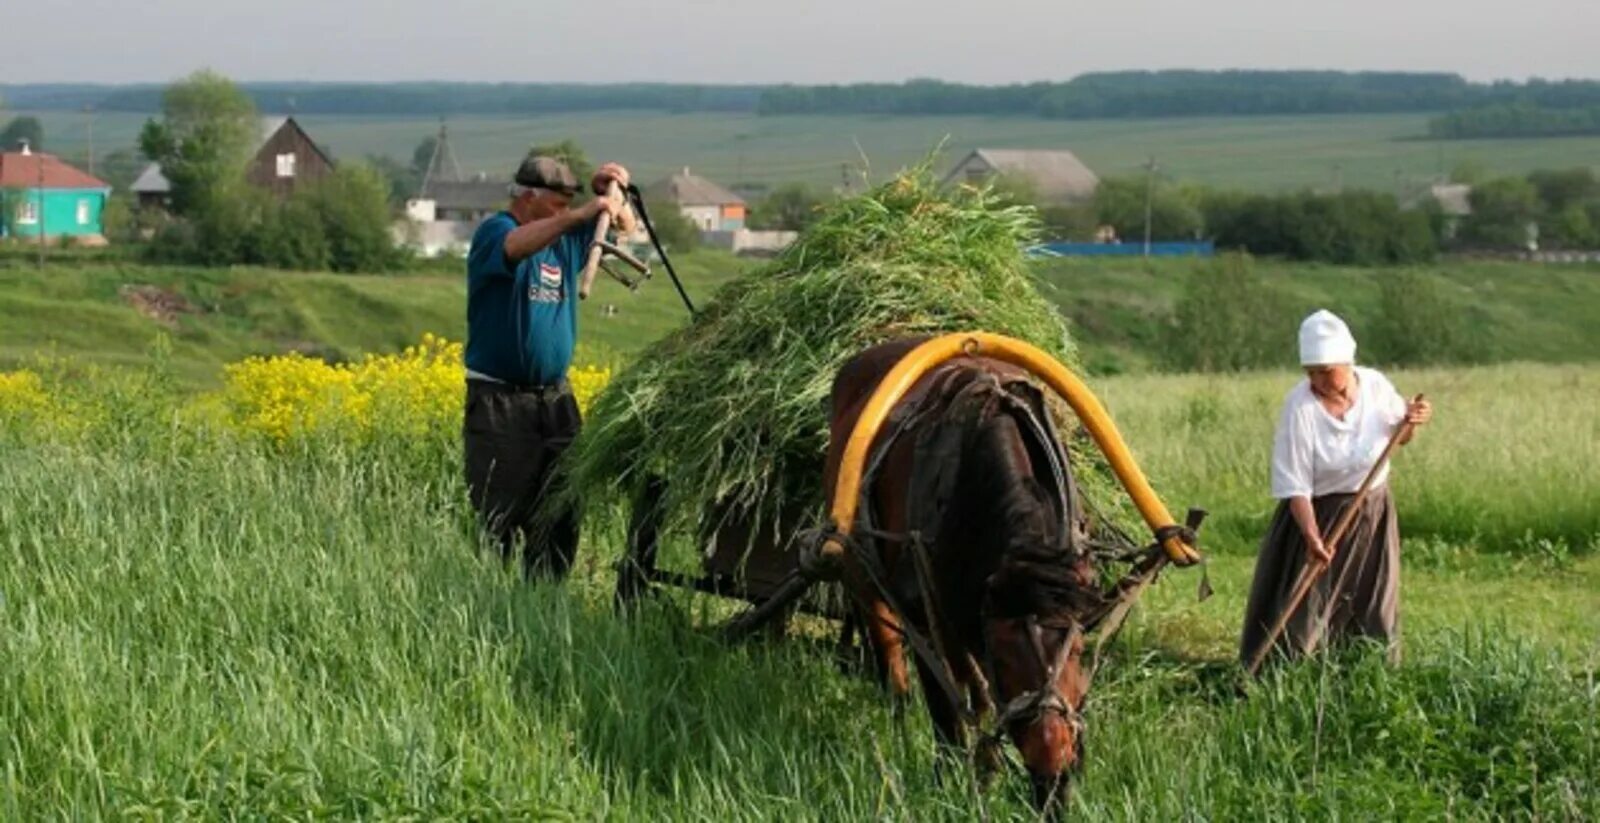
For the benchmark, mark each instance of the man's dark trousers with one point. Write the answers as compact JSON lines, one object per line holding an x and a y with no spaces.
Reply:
{"x":514,"y":436}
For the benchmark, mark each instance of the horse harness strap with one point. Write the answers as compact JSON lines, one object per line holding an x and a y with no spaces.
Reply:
{"x":1046,"y":698}
{"x":936,"y":661}
{"x":1116,"y":604}
{"x":937,"y":664}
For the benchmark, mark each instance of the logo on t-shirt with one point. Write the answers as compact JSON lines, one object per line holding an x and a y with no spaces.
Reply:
{"x":547,"y":289}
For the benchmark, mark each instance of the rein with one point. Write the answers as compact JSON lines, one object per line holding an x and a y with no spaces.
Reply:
{"x":1031,"y":704}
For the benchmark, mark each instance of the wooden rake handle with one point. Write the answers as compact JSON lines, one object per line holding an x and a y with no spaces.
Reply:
{"x":602,"y":226}
{"x":1316,"y":566}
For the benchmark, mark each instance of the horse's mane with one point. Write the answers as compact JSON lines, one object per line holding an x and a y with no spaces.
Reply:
{"x":1041,"y":571}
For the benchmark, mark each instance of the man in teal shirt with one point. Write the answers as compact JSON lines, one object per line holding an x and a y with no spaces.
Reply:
{"x":522,"y":327}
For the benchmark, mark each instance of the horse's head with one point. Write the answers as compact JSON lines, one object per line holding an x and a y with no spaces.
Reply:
{"x":1035,"y":643}
{"x":1041,"y":684}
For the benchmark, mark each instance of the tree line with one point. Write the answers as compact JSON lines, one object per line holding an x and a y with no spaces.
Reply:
{"x":1550,"y":209}
{"x":1171,"y":93}
{"x":1514,"y":120}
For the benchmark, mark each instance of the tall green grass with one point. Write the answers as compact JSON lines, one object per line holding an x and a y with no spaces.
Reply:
{"x":1508,"y":464}
{"x":194,"y":626}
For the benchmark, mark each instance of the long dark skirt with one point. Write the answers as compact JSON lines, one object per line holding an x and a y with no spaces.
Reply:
{"x":1357,"y":596}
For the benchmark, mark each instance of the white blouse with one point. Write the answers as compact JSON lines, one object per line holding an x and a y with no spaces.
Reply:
{"x":1315,"y":453}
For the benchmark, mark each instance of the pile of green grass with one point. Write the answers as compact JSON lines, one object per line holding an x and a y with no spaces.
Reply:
{"x":732,"y":410}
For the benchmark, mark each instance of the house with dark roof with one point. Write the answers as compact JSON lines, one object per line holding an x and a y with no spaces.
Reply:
{"x":1058,"y":176}
{"x":467,"y":200}
{"x":151,"y":189}
{"x":709,"y":206}
{"x":40,"y":194}
{"x":444,"y":214}
{"x":449,"y":205}
{"x":286,"y":160}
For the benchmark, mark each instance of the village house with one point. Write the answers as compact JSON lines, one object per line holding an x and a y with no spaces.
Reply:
{"x":708,"y":206}
{"x":449,"y":205}
{"x":718,"y":213}
{"x":39,"y":194}
{"x":287,"y":159}
{"x":151,"y":189}
{"x":1057,"y":176}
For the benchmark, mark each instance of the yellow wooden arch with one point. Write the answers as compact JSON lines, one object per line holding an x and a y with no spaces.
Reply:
{"x":847,"y":493}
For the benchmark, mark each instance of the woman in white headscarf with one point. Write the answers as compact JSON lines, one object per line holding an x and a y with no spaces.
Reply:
{"x":1333,"y":427}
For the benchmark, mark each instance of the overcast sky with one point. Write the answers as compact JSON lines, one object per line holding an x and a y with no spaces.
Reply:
{"x":805,"y":41}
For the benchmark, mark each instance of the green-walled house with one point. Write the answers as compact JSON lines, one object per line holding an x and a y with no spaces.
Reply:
{"x":39,"y":193}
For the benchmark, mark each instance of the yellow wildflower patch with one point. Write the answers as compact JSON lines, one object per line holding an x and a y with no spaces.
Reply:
{"x":21,"y":391}
{"x":410,"y":394}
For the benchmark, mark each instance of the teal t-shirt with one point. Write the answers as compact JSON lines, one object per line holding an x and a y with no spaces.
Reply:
{"x":522,"y":317}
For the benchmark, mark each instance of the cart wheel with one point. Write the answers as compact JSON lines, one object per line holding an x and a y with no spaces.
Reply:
{"x":637,"y":568}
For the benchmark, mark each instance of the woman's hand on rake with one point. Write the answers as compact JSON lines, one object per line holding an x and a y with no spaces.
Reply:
{"x":1318,"y":550}
{"x":1419,"y":412}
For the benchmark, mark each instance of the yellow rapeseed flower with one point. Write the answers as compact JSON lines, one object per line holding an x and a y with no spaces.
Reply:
{"x":410,"y":394}
{"x":22,"y":397}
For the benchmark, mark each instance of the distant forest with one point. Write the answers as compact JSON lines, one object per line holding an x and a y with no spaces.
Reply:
{"x":1097,"y":95}
{"x":1511,"y":120}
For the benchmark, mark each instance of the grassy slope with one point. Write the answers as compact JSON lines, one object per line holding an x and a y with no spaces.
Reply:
{"x":1247,"y":152}
{"x":77,"y":311}
{"x":1528,"y":312}
{"x":1539,"y":313}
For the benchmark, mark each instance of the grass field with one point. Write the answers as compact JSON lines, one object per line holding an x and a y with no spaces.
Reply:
{"x":1262,"y":153}
{"x":78,"y":311}
{"x":1512,"y":311}
{"x":1520,"y":312}
{"x":193,"y":625}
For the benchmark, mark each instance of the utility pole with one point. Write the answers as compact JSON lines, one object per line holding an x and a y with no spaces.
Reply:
{"x":88,"y":111}
{"x":1149,"y":199}
{"x":39,"y":216}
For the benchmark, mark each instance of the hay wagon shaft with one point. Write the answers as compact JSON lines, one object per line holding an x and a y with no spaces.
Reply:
{"x":775,"y":566}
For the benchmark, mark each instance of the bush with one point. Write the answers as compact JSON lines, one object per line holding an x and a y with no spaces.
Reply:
{"x":789,"y":207}
{"x":1417,"y":326}
{"x":292,"y":236}
{"x":1229,"y":319}
{"x":1067,"y":223}
{"x":1174,"y":212}
{"x":1572,"y":227}
{"x":1502,"y":211}
{"x":353,"y":206}
{"x":676,"y":232}
{"x":341,"y":224}
{"x":1352,"y":227}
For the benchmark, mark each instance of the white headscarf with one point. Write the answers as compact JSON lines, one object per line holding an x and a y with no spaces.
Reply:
{"x":1325,"y":340}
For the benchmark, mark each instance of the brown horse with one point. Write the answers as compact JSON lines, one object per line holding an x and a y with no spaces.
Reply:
{"x":971,"y":550}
